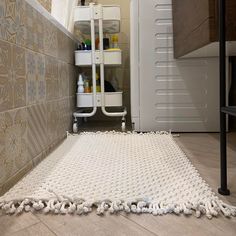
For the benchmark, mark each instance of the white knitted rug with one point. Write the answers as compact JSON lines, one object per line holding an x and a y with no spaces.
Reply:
{"x":138,"y":173}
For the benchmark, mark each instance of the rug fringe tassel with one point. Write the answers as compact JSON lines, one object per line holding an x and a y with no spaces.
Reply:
{"x":127,"y":133}
{"x":210,"y":208}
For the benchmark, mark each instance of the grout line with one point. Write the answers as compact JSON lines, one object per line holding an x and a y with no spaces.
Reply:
{"x":51,"y":230}
{"x":14,"y":232}
{"x":39,"y":103}
{"x":48,"y":227}
{"x":139,"y":224}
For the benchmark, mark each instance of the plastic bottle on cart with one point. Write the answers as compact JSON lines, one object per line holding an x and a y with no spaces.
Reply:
{"x":80,"y":84}
{"x":98,"y":86}
{"x":114,"y":40}
{"x":87,"y":88}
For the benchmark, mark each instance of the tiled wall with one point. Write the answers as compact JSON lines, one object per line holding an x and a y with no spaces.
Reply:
{"x":37,"y":87}
{"x":47,"y":4}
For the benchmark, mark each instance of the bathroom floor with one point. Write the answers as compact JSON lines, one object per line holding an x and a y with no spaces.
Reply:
{"x":203,"y":151}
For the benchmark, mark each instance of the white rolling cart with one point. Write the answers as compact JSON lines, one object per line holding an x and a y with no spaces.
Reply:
{"x":98,"y":19}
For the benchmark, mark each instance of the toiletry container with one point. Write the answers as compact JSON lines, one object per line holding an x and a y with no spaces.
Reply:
{"x":80,"y":84}
{"x":114,"y":40}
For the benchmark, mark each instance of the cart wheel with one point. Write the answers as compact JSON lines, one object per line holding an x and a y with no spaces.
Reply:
{"x":75,"y":127}
{"x":123,"y":126}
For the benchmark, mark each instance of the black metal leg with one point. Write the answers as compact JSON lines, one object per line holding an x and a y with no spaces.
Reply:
{"x":223,"y":190}
{"x":223,"y":135}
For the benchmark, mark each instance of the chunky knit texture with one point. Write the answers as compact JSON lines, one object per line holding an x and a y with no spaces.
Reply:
{"x":138,"y":173}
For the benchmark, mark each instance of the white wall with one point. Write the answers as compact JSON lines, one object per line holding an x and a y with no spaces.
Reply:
{"x":59,"y":10}
{"x":62,"y":10}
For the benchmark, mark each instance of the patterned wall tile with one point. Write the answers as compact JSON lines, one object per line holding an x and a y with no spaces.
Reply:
{"x":39,"y":28}
{"x":6,"y":165}
{"x":31,"y":77}
{"x":18,"y":76}
{"x":73,"y":75}
{"x":35,"y":74}
{"x":50,"y":39}
{"x":13,"y":134}
{"x":12,"y":74}
{"x":66,"y":46}
{"x":6,"y":88}
{"x":5,"y":57}
{"x":40,"y":76}
{"x":53,"y":120}
{"x":51,"y":76}
{"x":30,"y":25}
{"x":12,"y":21}
{"x":28,"y":77}
{"x":64,"y":118}
{"x":63,"y":77}
{"x":62,"y":42}
{"x":37,"y":129}
{"x":71,"y":47}
{"x":47,"y":4}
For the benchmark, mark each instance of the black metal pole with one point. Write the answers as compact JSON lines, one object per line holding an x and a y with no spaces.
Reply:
{"x":223,"y":135}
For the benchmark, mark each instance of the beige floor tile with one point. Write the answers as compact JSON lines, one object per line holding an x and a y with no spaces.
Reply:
{"x":185,"y":226}
{"x":92,"y":224}
{"x":12,"y":224}
{"x":36,"y":230}
{"x":203,"y":151}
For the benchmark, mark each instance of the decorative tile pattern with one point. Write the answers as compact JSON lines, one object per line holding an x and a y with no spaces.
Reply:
{"x":63,"y":77}
{"x":50,"y":39}
{"x":62,"y":41}
{"x":36,"y":84}
{"x":30,"y":25}
{"x":12,"y":20}
{"x":65,"y":116}
{"x":53,"y":121}
{"x":47,"y":4}
{"x":40,"y":73}
{"x":37,"y":130}
{"x":12,"y":76}
{"x":52,"y":84}
{"x":66,"y":46}
{"x":18,"y":76}
{"x":31,"y":77}
{"x":13,"y":145}
{"x":44,"y":85}
{"x":6,"y":164}
{"x":73,"y":75}
{"x":6,"y":89}
{"x":39,"y":28}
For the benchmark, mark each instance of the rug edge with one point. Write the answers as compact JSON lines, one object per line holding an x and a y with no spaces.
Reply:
{"x":211,"y":208}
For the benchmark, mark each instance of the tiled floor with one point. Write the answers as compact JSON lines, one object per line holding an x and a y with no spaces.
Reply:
{"x":202,"y":149}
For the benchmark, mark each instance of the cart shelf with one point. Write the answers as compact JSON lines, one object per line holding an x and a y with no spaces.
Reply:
{"x":112,"y":99}
{"x":111,"y":19}
{"x":111,"y":57}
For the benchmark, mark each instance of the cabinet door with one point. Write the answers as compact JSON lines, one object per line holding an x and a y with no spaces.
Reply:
{"x":178,"y":95}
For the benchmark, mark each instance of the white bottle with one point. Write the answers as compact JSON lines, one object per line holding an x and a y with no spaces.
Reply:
{"x":80,"y":84}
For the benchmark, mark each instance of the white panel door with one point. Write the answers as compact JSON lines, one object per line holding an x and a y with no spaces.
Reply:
{"x":177,"y":95}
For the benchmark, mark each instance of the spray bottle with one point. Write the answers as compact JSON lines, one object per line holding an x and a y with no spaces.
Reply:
{"x":80,"y":84}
